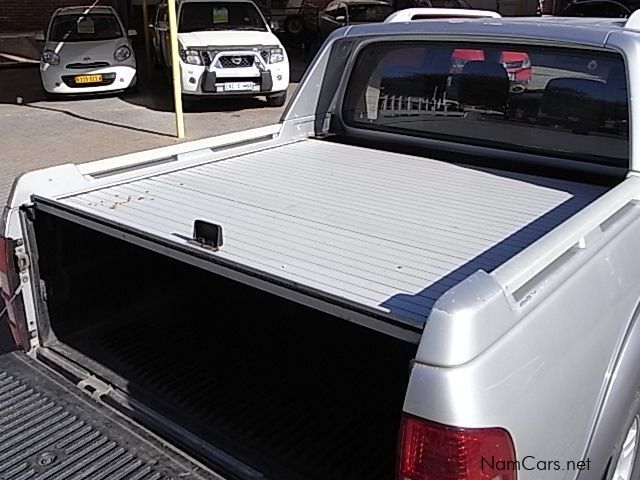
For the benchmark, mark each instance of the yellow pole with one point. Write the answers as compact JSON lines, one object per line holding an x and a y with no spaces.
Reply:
{"x":175,"y":67}
{"x":145,"y":22}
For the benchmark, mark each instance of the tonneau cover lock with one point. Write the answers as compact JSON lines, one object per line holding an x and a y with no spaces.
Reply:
{"x":207,"y":235}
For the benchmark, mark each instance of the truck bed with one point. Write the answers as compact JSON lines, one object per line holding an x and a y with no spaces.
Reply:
{"x":384,"y":232}
{"x":49,"y":431}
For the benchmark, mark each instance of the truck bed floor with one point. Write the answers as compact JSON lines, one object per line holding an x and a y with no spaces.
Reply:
{"x":47,"y":431}
{"x":314,"y":400}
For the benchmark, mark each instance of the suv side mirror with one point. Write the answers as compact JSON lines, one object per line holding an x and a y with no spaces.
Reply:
{"x":162,"y":26}
{"x":341,"y":19}
{"x":132,"y":32}
{"x":39,"y":37}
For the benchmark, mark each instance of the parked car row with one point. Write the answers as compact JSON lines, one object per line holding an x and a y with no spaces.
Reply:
{"x":227,"y":47}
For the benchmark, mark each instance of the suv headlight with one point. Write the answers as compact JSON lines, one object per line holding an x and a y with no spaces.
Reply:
{"x":192,"y":57}
{"x":526,"y":63}
{"x":276,"y":55}
{"x":122,"y":53}
{"x":50,"y":57}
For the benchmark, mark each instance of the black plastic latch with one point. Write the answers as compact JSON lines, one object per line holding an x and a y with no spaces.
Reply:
{"x":207,"y":235}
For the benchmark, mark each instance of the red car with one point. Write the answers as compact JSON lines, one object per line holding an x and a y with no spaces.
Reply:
{"x":517,"y":64}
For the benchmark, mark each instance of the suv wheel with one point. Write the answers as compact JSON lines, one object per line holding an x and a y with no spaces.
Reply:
{"x":277,"y":100}
{"x":625,"y":461}
{"x":293,"y":25}
{"x":626,"y":467}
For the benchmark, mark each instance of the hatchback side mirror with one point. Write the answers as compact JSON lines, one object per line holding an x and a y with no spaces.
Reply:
{"x":162,"y":26}
{"x":132,"y":32}
{"x":341,"y":18}
{"x":39,"y":37}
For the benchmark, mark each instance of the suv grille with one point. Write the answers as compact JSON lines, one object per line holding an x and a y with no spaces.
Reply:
{"x":237,"y":61}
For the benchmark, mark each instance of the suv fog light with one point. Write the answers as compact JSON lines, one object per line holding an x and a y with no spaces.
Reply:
{"x":192,"y":80}
{"x":279,"y":77}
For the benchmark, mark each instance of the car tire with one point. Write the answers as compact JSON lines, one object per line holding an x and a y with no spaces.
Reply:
{"x":50,"y":97}
{"x":625,"y":459}
{"x":277,"y":100}
{"x":294,"y":25}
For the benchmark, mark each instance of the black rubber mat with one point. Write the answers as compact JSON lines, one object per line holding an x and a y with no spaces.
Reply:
{"x":50,"y":432}
{"x":290,"y":409}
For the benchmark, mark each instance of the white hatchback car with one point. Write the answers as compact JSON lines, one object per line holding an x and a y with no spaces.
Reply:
{"x":87,"y":50}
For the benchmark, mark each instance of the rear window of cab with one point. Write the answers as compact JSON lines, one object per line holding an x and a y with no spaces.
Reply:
{"x":553,"y":101}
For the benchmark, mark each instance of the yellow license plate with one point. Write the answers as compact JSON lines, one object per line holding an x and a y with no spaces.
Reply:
{"x":89,"y":79}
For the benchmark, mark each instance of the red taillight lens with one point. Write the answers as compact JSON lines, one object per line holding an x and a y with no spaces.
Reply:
{"x":4,"y":265}
{"x":430,"y":451}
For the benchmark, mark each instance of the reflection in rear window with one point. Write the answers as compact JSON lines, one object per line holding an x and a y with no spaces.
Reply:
{"x":544,"y":100}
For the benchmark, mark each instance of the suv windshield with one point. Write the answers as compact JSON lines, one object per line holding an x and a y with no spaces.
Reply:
{"x":201,"y":16}
{"x":556,"y":102}
{"x":85,"y":27}
{"x":369,"y":13}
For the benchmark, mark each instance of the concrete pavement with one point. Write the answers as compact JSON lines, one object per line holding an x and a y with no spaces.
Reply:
{"x":35,"y":133}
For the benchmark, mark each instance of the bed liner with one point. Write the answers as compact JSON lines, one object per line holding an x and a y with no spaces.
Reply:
{"x":49,"y":431}
{"x":384,"y":231}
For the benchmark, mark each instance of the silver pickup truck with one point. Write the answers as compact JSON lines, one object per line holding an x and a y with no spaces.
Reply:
{"x":420,"y":273}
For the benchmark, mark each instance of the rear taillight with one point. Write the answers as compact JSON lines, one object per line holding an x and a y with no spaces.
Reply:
{"x":11,"y":305}
{"x":4,"y":266}
{"x":431,"y":451}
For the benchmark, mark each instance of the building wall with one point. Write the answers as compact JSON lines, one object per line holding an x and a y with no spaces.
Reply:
{"x":34,"y":15}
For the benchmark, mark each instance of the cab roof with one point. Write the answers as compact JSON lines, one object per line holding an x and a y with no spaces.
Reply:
{"x":585,"y":31}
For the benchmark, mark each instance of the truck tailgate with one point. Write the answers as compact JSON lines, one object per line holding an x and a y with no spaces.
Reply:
{"x":49,"y":431}
{"x":372,"y":232}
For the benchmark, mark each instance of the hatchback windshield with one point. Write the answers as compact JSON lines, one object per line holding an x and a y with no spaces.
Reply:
{"x":201,"y":16}
{"x":85,"y":27}
{"x":369,"y":13}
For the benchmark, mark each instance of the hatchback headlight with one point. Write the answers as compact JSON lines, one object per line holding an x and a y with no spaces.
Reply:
{"x":276,"y":55}
{"x":122,"y":53}
{"x":192,"y":57}
{"x":50,"y":57}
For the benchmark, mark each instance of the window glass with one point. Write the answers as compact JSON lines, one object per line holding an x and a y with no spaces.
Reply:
{"x":162,"y":14}
{"x":203,"y":16}
{"x":447,"y":4}
{"x":85,"y":28}
{"x":368,"y":13}
{"x":553,"y":101}
{"x":332,"y":9}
